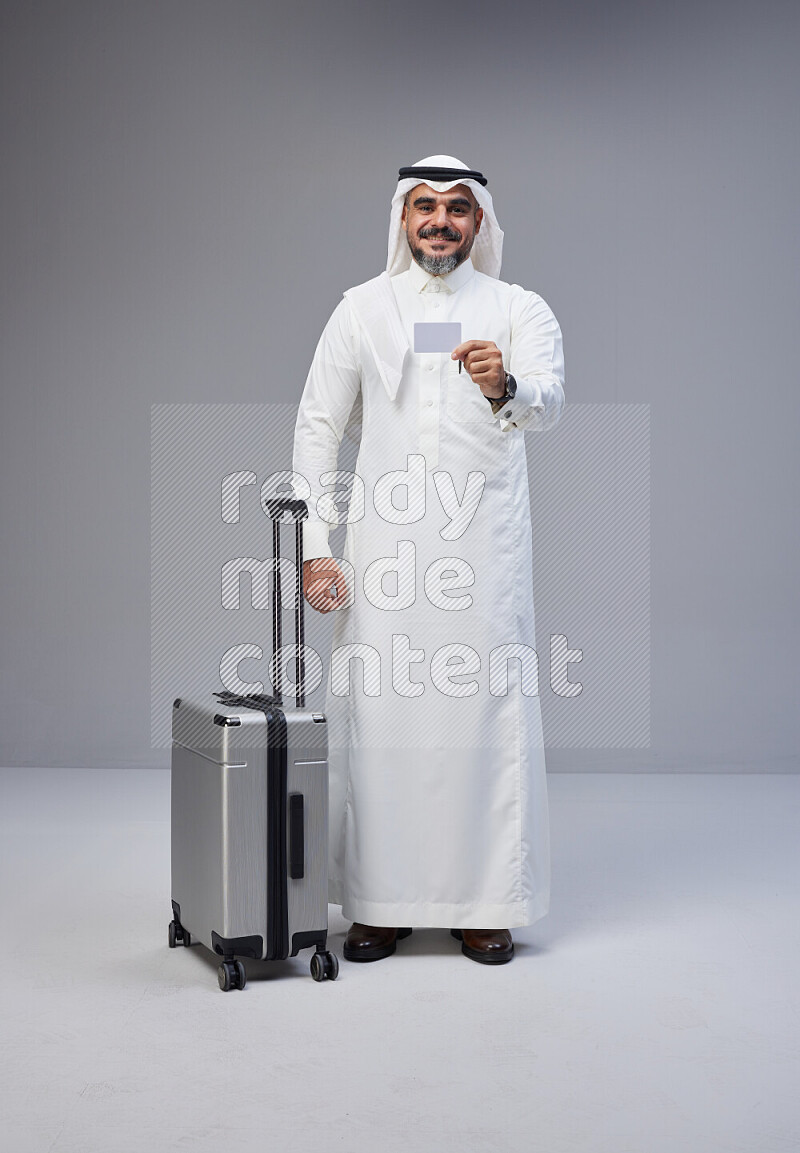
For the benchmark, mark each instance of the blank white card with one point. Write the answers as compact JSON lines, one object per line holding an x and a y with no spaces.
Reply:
{"x":436,"y":337}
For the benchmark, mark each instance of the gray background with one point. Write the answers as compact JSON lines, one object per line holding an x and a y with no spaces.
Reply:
{"x":187,"y":187}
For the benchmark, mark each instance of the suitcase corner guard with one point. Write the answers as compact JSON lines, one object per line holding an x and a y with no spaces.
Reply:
{"x":238,"y":946}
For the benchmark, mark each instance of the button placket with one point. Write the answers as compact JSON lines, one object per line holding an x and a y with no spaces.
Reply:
{"x":431,"y":299}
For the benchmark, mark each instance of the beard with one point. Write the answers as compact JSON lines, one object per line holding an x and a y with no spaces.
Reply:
{"x":440,"y":265}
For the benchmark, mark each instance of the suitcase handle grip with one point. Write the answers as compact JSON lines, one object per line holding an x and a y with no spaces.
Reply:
{"x":276,"y":506}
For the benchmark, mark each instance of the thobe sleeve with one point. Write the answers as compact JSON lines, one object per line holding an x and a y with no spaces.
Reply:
{"x":332,"y":386}
{"x":537,"y":365}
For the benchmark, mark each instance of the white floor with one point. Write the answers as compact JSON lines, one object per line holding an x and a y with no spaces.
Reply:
{"x":655,"y":1010}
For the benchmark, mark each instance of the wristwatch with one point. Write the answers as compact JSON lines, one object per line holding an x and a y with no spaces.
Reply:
{"x":509,"y":394}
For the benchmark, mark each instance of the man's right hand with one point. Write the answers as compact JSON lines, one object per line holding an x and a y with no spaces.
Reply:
{"x":319,"y":577}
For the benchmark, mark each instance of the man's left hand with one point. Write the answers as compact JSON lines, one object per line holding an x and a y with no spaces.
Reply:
{"x":483,"y":361}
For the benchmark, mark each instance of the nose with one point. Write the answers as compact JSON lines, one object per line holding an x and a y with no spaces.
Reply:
{"x":440,"y":216}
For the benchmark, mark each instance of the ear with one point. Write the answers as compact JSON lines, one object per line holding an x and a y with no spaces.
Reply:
{"x":478,"y":219}
{"x":404,"y":218}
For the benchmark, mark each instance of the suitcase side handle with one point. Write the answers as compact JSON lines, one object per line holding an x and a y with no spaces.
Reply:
{"x":296,"y":838}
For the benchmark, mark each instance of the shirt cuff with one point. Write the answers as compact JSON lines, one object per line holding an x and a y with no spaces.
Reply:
{"x":527,"y":400}
{"x":315,"y":539}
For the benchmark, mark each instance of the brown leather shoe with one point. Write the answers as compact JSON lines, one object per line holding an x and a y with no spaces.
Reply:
{"x":489,"y":946}
{"x":371,"y":943}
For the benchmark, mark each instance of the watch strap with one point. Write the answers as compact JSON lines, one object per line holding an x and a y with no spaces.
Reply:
{"x":497,"y":402}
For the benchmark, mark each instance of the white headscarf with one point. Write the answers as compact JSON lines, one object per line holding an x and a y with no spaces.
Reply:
{"x":487,"y":251}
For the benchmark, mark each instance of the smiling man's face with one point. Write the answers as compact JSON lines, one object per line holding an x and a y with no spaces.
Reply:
{"x":441,"y":226}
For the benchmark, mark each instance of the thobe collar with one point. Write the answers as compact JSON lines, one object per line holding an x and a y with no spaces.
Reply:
{"x":422,"y":281}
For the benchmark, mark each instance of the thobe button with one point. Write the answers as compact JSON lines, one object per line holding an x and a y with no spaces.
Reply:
{"x":430,"y":368}
{"x":430,"y":404}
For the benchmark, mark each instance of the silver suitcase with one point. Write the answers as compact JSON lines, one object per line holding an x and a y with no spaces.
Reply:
{"x":250,"y":815}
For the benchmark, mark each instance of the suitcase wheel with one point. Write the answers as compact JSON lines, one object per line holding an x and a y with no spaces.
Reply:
{"x":324,"y":966}
{"x":178,"y":935}
{"x":231,"y":975}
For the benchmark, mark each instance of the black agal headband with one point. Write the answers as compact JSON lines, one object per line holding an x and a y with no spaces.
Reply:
{"x":443,"y":174}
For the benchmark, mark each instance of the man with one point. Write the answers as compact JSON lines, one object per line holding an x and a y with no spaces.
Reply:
{"x":438,"y":803}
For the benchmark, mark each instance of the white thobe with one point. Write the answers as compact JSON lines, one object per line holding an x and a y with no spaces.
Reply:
{"x":438,"y":801}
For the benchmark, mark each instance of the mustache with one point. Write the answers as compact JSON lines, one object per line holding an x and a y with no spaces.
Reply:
{"x":441,"y":233}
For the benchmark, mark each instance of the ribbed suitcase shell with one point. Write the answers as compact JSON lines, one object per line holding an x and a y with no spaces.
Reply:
{"x":231,"y":850}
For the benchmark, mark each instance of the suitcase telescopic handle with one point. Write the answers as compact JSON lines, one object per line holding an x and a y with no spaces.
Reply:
{"x":277,"y":510}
